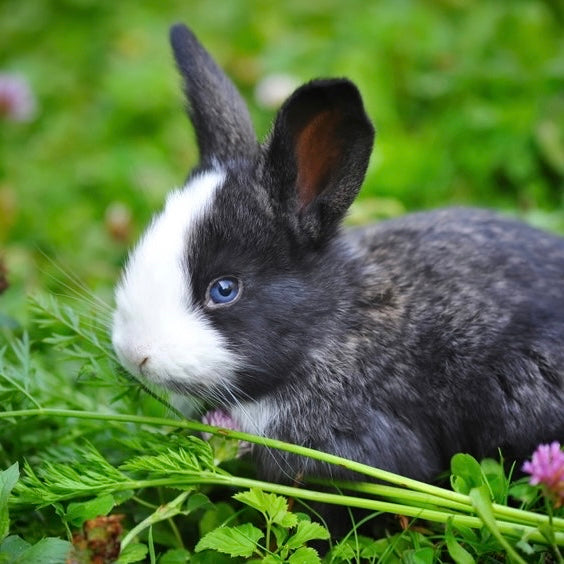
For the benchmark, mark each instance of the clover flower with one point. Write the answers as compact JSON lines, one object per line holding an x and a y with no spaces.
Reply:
{"x":17,"y":102}
{"x":547,"y":468}
{"x":220,"y":418}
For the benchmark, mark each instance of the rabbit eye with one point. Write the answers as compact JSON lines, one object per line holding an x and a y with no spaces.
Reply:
{"x":223,"y":291}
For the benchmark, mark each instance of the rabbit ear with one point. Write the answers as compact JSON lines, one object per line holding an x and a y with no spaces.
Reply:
{"x":319,"y":151}
{"x":224,"y":130}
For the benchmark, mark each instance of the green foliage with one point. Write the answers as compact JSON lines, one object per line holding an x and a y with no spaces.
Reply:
{"x":8,"y":479}
{"x":466,"y":98}
{"x":47,"y":551}
{"x":241,"y":540}
{"x":91,"y":462}
{"x":78,"y":513}
{"x":455,"y":550}
{"x":467,"y":473}
{"x":407,"y":546}
{"x":290,"y":532}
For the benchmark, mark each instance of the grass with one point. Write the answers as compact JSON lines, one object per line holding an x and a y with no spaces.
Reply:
{"x":467,"y":101}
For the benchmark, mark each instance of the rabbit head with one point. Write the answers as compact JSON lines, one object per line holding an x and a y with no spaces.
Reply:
{"x":227,"y":287}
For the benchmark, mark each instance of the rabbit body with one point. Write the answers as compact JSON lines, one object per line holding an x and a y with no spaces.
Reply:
{"x":453,"y":343}
{"x":396,"y":345}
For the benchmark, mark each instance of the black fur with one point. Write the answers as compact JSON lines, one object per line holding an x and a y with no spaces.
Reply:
{"x":396,"y":345}
{"x":221,"y":120}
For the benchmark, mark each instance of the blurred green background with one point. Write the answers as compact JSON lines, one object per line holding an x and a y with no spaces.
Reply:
{"x":467,"y":97}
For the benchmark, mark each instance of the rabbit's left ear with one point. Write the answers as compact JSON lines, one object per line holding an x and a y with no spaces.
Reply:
{"x":318,"y":153}
{"x":220,"y":116}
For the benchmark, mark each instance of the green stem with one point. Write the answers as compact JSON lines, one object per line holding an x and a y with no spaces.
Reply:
{"x":393,"y":493}
{"x":162,"y":513}
{"x":451,"y":497}
{"x":514,"y":530}
{"x":375,"y":473}
{"x":510,"y":529}
{"x":22,"y":390}
{"x":508,"y":513}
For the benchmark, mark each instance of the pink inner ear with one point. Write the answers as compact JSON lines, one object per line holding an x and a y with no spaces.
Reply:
{"x":318,"y":151}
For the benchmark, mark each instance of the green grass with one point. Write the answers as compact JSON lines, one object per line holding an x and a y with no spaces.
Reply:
{"x":467,"y":101}
{"x":92,"y":442}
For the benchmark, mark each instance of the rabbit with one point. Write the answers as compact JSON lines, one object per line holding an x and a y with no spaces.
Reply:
{"x":397,"y":344}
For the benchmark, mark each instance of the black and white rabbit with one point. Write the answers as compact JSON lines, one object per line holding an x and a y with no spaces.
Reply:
{"x":396,"y":345}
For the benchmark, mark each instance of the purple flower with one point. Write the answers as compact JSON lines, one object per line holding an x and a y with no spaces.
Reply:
{"x":220,"y":418}
{"x":547,"y":468}
{"x":16,"y":99}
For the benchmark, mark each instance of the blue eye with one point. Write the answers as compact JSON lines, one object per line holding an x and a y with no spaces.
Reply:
{"x":223,"y":291}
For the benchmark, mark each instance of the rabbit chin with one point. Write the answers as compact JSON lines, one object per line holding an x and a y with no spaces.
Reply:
{"x":158,"y":332}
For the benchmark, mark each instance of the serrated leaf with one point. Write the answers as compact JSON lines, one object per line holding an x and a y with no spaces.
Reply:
{"x":8,"y":479}
{"x":235,"y":541}
{"x":307,"y":531}
{"x":180,"y":461}
{"x":255,"y":498}
{"x":273,"y":506}
{"x":78,"y":512}
{"x":133,"y":553}
{"x":305,"y":555}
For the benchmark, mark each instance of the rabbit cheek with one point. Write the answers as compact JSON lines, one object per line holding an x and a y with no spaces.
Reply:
{"x":157,"y":331}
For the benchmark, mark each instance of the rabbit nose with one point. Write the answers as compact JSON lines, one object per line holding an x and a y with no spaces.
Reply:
{"x":131,"y":357}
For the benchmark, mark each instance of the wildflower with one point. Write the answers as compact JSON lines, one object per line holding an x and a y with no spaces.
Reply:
{"x":17,"y":102}
{"x":219,"y":418}
{"x":547,"y":468}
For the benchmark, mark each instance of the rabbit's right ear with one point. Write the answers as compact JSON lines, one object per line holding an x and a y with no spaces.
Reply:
{"x":224,"y":130}
{"x":318,"y":154}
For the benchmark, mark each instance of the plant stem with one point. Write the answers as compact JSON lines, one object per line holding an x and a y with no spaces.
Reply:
{"x":521,"y":520}
{"x":239,"y":435}
{"x":162,"y":513}
{"x":508,"y":513}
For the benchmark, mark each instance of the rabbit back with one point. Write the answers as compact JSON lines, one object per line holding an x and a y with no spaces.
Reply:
{"x":455,"y":343}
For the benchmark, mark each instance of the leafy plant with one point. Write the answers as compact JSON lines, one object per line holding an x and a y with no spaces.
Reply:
{"x":161,"y":477}
{"x":283,"y":540}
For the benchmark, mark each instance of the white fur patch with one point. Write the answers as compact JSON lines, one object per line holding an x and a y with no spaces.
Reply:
{"x":156,"y":330}
{"x":254,"y":417}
